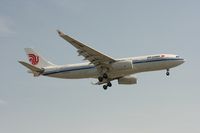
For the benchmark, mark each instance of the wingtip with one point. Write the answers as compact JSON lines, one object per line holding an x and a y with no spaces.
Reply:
{"x":60,"y":33}
{"x":20,"y":61}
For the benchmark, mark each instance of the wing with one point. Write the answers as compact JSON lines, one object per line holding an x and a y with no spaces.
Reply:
{"x":90,"y":54}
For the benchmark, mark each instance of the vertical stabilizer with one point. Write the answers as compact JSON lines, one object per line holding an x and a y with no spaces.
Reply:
{"x":37,"y":60}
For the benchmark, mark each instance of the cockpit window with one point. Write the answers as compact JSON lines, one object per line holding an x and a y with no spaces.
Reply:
{"x":177,"y":56}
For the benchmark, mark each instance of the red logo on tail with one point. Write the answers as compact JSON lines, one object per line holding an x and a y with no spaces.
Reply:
{"x":34,"y":59}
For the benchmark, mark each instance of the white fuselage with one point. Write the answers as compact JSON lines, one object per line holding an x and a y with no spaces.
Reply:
{"x":122,"y":67}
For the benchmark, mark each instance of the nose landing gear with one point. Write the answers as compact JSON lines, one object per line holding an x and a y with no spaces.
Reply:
{"x":167,"y":73}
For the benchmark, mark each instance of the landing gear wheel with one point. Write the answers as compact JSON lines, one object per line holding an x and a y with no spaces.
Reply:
{"x":105,"y":87}
{"x":109,"y":84}
{"x":167,"y":73}
{"x":105,"y":76}
{"x":100,"y":79}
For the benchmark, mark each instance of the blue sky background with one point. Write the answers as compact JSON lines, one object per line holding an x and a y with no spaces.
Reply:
{"x":118,"y":28}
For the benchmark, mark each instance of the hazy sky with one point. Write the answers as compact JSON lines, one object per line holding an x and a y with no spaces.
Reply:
{"x":118,"y":28}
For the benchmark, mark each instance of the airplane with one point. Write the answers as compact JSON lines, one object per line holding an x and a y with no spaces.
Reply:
{"x":100,"y":66}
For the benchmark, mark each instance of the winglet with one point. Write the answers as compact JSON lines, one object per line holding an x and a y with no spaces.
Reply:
{"x":60,"y":33}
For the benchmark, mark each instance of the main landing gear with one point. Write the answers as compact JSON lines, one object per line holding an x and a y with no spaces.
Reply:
{"x":104,"y":76}
{"x":167,"y":73}
{"x":109,"y":84}
{"x":101,"y":78}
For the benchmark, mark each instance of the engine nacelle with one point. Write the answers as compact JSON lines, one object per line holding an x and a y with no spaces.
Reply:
{"x":123,"y":65}
{"x":127,"y":80}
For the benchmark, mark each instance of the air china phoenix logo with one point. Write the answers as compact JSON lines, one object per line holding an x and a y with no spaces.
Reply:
{"x":34,"y":59}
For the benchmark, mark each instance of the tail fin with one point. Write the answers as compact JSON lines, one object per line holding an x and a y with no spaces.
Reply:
{"x":37,"y":60}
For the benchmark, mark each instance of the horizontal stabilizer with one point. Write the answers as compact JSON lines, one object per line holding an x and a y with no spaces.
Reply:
{"x":31,"y":67}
